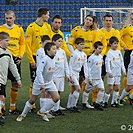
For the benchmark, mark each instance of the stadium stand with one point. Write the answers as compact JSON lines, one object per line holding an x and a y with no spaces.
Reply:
{"x":69,"y":9}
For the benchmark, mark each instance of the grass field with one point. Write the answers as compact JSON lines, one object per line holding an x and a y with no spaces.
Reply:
{"x":110,"y":120}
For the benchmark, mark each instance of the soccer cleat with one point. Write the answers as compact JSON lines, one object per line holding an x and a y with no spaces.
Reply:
{"x":75,"y":110}
{"x":3,"y":112}
{"x":61,"y":108}
{"x":114,"y":104}
{"x":59,"y":112}
{"x":15,"y":112}
{"x":131,"y":101}
{"x":98,"y":107}
{"x":121,"y":103}
{"x":33,"y":110}
{"x":44,"y":116}
{"x":105,"y":105}
{"x":49,"y":115}
{"x":20,"y":118}
{"x":89,"y":106}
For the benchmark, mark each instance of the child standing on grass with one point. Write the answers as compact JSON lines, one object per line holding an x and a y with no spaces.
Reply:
{"x":43,"y":82}
{"x":114,"y":63}
{"x":77,"y":60}
{"x":6,"y":62}
{"x":94,"y":76}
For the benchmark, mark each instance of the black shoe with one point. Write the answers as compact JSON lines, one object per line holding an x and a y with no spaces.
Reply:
{"x":2,"y":121}
{"x":16,"y":112}
{"x":114,"y":104}
{"x":33,"y":110}
{"x":98,"y":107}
{"x":84,"y":106}
{"x":105,"y":105}
{"x":53,"y":113}
{"x":59,"y":112}
{"x":131,"y":101}
{"x":3,"y":112}
{"x":75,"y":110}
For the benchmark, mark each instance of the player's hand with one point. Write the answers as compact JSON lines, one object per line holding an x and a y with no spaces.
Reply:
{"x":33,"y":65}
{"x":19,"y":85}
{"x":124,"y":74}
{"x":125,"y":48}
{"x":18,"y":60}
{"x":90,"y":82}
{"x":71,"y":80}
{"x":110,"y":75}
{"x":42,"y":87}
{"x":85,"y":81}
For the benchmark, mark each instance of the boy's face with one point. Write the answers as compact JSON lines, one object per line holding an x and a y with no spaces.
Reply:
{"x":80,"y":46}
{"x":58,"y":42}
{"x":4,"y":43}
{"x":52,"y":50}
{"x":98,"y":50}
{"x":114,"y":45}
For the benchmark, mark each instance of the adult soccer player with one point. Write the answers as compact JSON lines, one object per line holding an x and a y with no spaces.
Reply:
{"x":16,"y":47}
{"x":33,"y":40}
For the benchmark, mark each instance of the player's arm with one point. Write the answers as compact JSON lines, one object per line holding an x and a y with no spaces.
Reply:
{"x":90,"y":63}
{"x":104,"y":42}
{"x":85,"y":71}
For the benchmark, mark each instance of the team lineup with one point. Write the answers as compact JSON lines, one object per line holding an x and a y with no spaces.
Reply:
{"x":92,"y":54}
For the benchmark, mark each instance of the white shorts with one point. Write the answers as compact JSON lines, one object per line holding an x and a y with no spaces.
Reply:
{"x":96,"y":83}
{"x":59,"y":82}
{"x":129,"y":79}
{"x":76,"y":81}
{"x":50,"y":86}
{"x":114,"y":81}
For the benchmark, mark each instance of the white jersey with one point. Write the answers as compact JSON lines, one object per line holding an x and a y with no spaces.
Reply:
{"x":61,"y":64}
{"x":130,"y":66}
{"x":77,"y":60}
{"x":95,"y":66}
{"x":114,"y":62}
{"x":39,"y":55}
{"x":6,"y":62}
{"x":45,"y":70}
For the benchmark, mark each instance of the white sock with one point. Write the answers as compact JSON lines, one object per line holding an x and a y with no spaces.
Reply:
{"x":131,"y":96}
{"x":100,"y":97}
{"x":26,"y":109}
{"x":106,"y":97}
{"x":115,"y":97}
{"x":69,"y":100}
{"x":47,"y":106}
{"x":42,"y":102}
{"x":123,"y":94}
{"x":85,"y":97}
{"x":75,"y":97}
{"x":57,"y":106}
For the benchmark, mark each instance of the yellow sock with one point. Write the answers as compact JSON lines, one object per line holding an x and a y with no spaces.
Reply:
{"x":13,"y":97}
{"x":131,"y":91}
{"x":94,"y":95}
{"x":82,"y":88}
{"x":125,"y":82}
{"x":71,"y":89}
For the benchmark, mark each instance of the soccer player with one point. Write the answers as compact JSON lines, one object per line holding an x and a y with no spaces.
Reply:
{"x":16,"y":47}
{"x":77,"y":60}
{"x":43,"y":82}
{"x":114,"y":63}
{"x":6,"y":62}
{"x":127,"y":37}
{"x":94,"y":76}
{"x":55,"y":26}
{"x":33,"y":41}
{"x":61,"y":66}
{"x":85,"y":31}
{"x":129,"y":86}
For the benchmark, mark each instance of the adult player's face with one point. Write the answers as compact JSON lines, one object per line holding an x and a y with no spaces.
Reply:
{"x":52,"y":51}
{"x":88,"y":21}
{"x":9,"y":19}
{"x":108,"y":22}
{"x":46,"y":17}
{"x":131,"y":19}
{"x":56,"y":24}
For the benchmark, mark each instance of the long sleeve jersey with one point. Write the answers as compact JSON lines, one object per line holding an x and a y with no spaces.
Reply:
{"x":127,"y":36}
{"x":77,"y":60}
{"x":45,"y":70}
{"x":114,"y":62}
{"x":130,"y":66}
{"x":33,"y":38}
{"x":61,"y":64}
{"x":17,"y":40}
{"x":88,"y":36}
{"x":6,"y":62}
{"x":94,"y":66}
{"x":63,"y":45}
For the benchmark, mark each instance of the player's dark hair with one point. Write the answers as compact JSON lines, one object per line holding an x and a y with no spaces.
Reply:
{"x":107,"y":16}
{"x":42,"y":11}
{"x":113,"y":39}
{"x":56,"y":37}
{"x":58,"y":17}
{"x":47,"y":46}
{"x":95,"y":19}
{"x":4,"y":35}
{"x":79,"y":40}
{"x":44,"y":38}
{"x":98,"y":43}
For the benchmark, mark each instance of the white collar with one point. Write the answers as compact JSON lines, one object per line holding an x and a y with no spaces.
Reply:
{"x":9,"y":27}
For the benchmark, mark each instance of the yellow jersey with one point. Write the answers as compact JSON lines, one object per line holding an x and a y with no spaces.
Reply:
{"x":127,"y":36}
{"x":88,"y":36}
{"x":33,"y":38}
{"x":64,"y":45}
{"x":17,"y":40}
{"x":100,"y":36}
{"x":109,"y":34}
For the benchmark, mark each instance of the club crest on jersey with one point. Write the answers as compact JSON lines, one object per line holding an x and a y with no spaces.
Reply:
{"x":51,"y":68}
